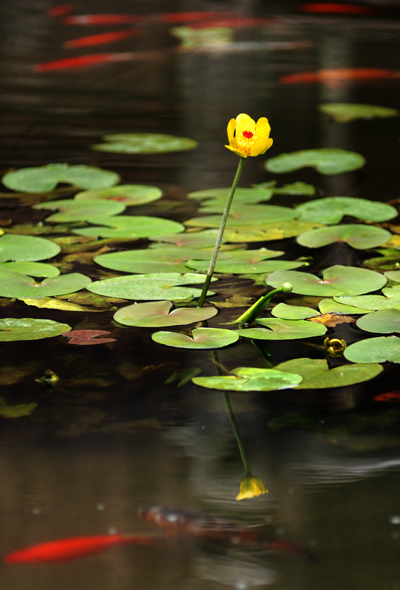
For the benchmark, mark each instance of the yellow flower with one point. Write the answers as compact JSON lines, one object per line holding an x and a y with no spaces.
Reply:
{"x":248,"y":138}
{"x":250,"y":487}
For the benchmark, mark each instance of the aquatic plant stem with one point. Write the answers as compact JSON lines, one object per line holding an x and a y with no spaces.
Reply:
{"x":237,"y":435}
{"x":221,"y":230}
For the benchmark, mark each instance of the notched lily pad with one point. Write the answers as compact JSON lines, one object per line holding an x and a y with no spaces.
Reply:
{"x":26,"y":248}
{"x":194,"y":239}
{"x":250,"y":379}
{"x":144,"y":143}
{"x":326,"y":161}
{"x":267,"y":231}
{"x":29,"y":329}
{"x":245,"y":215}
{"x":127,"y":194}
{"x":331,"y":210}
{"x":15,"y":284}
{"x":361,"y":237}
{"x":390,"y":300}
{"x":242,"y":195}
{"x":72,"y":210}
{"x":344,"y":112}
{"x":158,"y":314}
{"x":374,"y":350}
{"x":129,"y":226}
{"x":278,"y":329}
{"x":201,"y":338}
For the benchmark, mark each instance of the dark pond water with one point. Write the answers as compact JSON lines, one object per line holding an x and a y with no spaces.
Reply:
{"x":111,"y":436}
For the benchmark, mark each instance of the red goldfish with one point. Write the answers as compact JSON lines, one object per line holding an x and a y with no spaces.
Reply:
{"x":337,"y":77}
{"x":99,"y":39}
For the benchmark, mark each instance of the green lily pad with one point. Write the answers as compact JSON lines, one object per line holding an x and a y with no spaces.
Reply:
{"x":326,"y":161}
{"x":195,"y":239}
{"x":201,"y":338}
{"x":239,"y":266}
{"x":331,"y":210}
{"x":293,"y":312}
{"x":317,"y":375}
{"x":157,"y":314}
{"x":279,"y":329}
{"x":151,"y":287}
{"x":127,"y":194}
{"x":250,"y":379}
{"x":374,"y":350}
{"x":129,"y":226}
{"x":344,"y":112}
{"x":29,"y":329}
{"x":26,"y":248}
{"x":361,"y":237}
{"x":244,"y":215}
{"x":16,"y":284}
{"x":242,"y":195}
{"x":33,"y":269}
{"x":384,"y":321}
{"x":295,"y":188}
{"x":337,"y":281}
{"x":393,"y":275}
{"x":267,"y":231}
{"x":333,"y":306}
{"x":71,"y":210}
{"x":144,"y":143}
{"x":43,"y":179}
{"x":391,"y":300}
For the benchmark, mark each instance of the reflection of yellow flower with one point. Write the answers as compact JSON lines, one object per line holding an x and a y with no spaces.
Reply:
{"x":250,"y":487}
{"x":248,"y":138}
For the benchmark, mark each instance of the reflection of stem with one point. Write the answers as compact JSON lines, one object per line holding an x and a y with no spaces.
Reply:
{"x":221,"y":230}
{"x":266,"y":355}
{"x":237,"y":435}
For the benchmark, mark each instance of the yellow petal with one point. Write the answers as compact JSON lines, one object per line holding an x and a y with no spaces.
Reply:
{"x":262,"y":141}
{"x":236,"y":151}
{"x":231,"y":132}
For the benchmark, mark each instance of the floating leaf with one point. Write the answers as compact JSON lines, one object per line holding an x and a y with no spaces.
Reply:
{"x":242,"y":195}
{"x":87,"y":337}
{"x":29,"y":329}
{"x":267,"y":232}
{"x":293,"y":312}
{"x":127,"y":194}
{"x":344,"y":112}
{"x":360,"y":237}
{"x":326,"y":161}
{"x":384,"y":321}
{"x":50,"y":303}
{"x":337,"y":281}
{"x":15,"y":284}
{"x":374,"y":302}
{"x":130,"y":226}
{"x":331,"y":210}
{"x":26,"y":248}
{"x":157,"y":315}
{"x":237,"y":266}
{"x":43,"y":179}
{"x":374,"y":350}
{"x":393,"y":275}
{"x":151,"y":287}
{"x":16,"y":411}
{"x":243,"y":215}
{"x":333,"y":306}
{"x":144,"y":143}
{"x":201,"y":338}
{"x":197,"y":239}
{"x":71,"y":210}
{"x":330,"y":320}
{"x":317,"y":375}
{"x":295,"y":188}
{"x":250,"y":379}
{"x":283,"y":330}
{"x":33,"y":269}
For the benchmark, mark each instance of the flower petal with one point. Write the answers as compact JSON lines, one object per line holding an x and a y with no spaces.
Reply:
{"x":245,"y":123}
{"x":236,"y":151}
{"x":231,"y":132}
{"x":262,"y":141}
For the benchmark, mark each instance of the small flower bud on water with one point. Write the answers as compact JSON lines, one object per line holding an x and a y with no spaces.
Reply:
{"x":287,"y":288}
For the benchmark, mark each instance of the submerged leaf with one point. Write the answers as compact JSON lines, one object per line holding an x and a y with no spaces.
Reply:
{"x":87,"y":337}
{"x":16,"y":411}
{"x":326,"y":161}
{"x":144,"y":143}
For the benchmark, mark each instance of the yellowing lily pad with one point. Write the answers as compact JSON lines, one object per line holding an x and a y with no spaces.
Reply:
{"x":360,"y":237}
{"x":26,"y":248}
{"x":244,"y":215}
{"x":384,"y":321}
{"x":129,"y":226}
{"x":144,"y":143}
{"x":241,"y":265}
{"x":278,"y":329}
{"x":344,"y":112}
{"x":20,"y":286}
{"x":374,"y":350}
{"x":43,"y":179}
{"x":331,"y":210}
{"x":29,"y":329}
{"x":127,"y":194}
{"x":33,"y":269}
{"x":157,"y":314}
{"x":326,"y":161}
{"x":250,"y":379}
{"x":267,"y":231}
{"x":72,"y":210}
{"x":201,"y":338}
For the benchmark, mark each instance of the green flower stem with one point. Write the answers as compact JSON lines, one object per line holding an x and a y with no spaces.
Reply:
{"x":221,"y":230}
{"x":237,"y":435}
{"x":257,"y":307}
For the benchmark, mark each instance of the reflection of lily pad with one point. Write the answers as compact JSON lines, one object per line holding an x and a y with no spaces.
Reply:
{"x":360,"y":237}
{"x":384,"y":321}
{"x":201,"y":338}
{"x":331,"y":210}
{"x":144,"y":143}
{"x":250,"y":379}
{"x":317,"y":375}
{"x":42,"y":179}
{"x":244,"y":215}
{"x":26,"y":248}
{"x":29,"y":329}
{"x":71,"y":210}
{"x":374,"y":350}
{"x":337,"y":281}
{"x":15,"y":284}
{"x":128,"y":194}
{"x":325,"y":160}
{"x":32,"y":269}
{"x":344,"y":112}
{"x":130,"y":226}
{"x":16,"y":411}
{"x":278,"y":329}
{"x":157,"y":314}
{"x":242,"y":195}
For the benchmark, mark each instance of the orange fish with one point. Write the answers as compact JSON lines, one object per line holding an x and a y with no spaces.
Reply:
{"x":184,"y":17}
{"x":99,"y":39}
{"x":64,"y":550}
{"x":339,"y":76}
{"x":391,"y":397}
{"x":60,"y":10}
{"x":232,"y":23}
{"x":336,"y":8}
{"x":102,"y":19}
{"x":81,"y":61}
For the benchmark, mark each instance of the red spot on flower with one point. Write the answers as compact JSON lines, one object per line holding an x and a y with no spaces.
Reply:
{"x":248,"y":134}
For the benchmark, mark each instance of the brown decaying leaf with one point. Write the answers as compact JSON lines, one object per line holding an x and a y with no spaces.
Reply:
{"x":87,"y":337}
{"x":332,"y":319}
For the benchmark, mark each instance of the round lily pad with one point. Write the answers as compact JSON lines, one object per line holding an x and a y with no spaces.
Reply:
{"x":14,"y":247}
{"x":391,"y":300}
{"x":360,"y":237}
{"x":244,"y":215}
{"x":16,"y":284}
{"x":331,"y":210}
{"x":32,"y":269}
{"x":337,"y":281}
{"x":72,"y":210}
{"x":374,"y":350}
{"x":239,"y":266}
{"x":29,"y":329}
{"x":293,"y":312}
{"x":265,"y":232}
{"x":242,"y":195}
{"x":43,"y":179}
{"x":384,"y":321}
{"x":127,"y":194}
{"x":144,"y":143}
{"x":344,"y":112}
{"x":326,"y":161}
{"x":195,"y":239}
{"x":129,"y":226}
{"x":250,"y":379}
{"x":393,"y":275}
{"x":157,"y":314}
{"x":278,"y":329}
{"x":201,"y":338}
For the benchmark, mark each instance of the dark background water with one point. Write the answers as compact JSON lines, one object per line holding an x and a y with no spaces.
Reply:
{"x":111,"y":436}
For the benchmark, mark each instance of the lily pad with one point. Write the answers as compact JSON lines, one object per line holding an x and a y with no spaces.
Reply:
{"x":317,"y":375}
{"x":151,"y":287}
{"x":391,"y":300}
{"x":393,"y":275}
{"x":361,"y":237}
{"x":127,"y":194}
{"x":157,"y":314}
{"x":29,"y":329}
{"x":194,"y":239}
{"x":384,"y":321}
{"x":293,"y":312}
{"x":333,"y":306}
{"x":374,"y":350}
{"x":267,"y":231}
{"x":326,"y":161}
{"x":244,"y":215}
{"x":242,"y":195}
{"x":71,"y":210}
{"x":331,"y":210}
{"x":241,"y":266}
{"x":201,"y":338}
{"x":26,"y":248}
{"x":33,"y":269}
{"x":16,"y":284}
{"x":144,"y":143}
{"x":250,"y":379}
{"x":278,"y":329}
{"x":337,"y":281}
{"x":295,"y":188}
{"x":344,"y":112}
{"x":129,"y":226}
{"x":43,"y":179}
